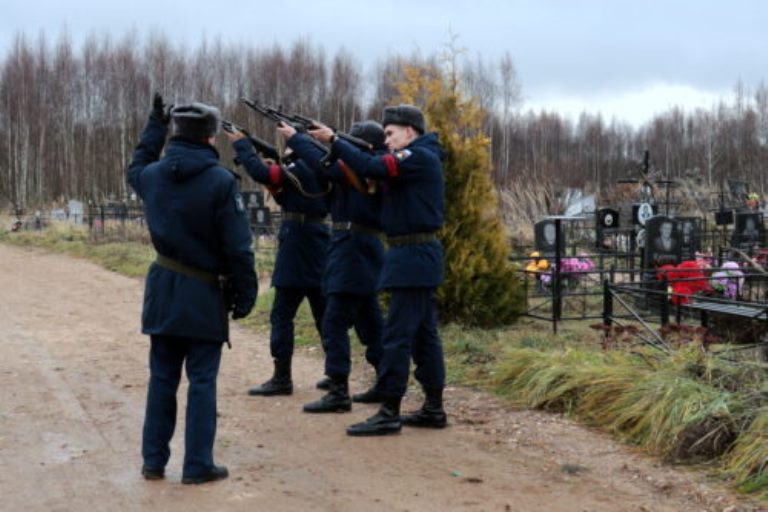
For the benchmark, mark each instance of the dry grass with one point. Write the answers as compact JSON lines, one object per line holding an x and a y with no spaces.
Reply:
{"x":522,"y":204}
{"x":748,"y":462}
{"x":688,"y":406}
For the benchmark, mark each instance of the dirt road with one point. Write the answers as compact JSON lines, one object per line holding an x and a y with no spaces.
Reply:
{"x":73,"y":375}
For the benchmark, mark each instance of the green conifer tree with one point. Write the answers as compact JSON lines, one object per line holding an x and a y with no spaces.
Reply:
{"x":481,"y":286}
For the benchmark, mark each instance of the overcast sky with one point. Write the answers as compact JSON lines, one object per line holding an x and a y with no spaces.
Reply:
{"x":627,"y":59}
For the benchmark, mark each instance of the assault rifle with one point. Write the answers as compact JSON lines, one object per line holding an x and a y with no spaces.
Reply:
{"x":301,"y":123}
{"x":264,"y":148}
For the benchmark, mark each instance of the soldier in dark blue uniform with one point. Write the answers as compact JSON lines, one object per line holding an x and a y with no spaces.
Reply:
{"x":354,"y":264}
{"x":412,"y":213}
{"x":301,"y":255}
{"x":199,"y":228}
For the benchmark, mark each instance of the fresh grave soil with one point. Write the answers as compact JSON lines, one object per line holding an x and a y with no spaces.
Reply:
{"x":74,"y":372}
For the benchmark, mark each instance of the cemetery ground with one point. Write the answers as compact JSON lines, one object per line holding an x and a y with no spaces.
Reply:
{"x":74,"y":377}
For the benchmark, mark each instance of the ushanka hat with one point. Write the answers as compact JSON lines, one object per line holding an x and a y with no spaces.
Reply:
{"x":196,"y":121}
{"x":405,"y":115}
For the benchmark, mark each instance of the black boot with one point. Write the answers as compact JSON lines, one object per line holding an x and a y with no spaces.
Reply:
{"x":279,"y":384}
{"x":372,"y":396}
{"x":324,"y":383}
{"x":336,"y":400}
{"x":216,"y":473}
{"x":431,"y":414}
{"x":385,"y":422}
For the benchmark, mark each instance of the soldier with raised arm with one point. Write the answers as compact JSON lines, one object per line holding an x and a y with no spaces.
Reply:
{"x":198,"y":226}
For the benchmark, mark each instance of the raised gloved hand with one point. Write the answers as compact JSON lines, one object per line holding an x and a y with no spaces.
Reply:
{"x":160,"y":111}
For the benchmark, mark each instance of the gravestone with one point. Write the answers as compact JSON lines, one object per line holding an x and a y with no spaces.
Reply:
{"x":643,"y":211}
{"x":748,"y":231}
{"x":723,"y":217}
{"x":663,"y":242}
{"x":75,"y":211}
{"x":690,"y":237}
{"x":739,"y":190}
{"x":261,"y":220}
{"x":253,"y":199}
{"x":544,"y":232}
{"x":606,"y":223}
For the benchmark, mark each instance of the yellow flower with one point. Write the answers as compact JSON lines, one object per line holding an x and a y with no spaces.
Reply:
{"x":537,"y":263}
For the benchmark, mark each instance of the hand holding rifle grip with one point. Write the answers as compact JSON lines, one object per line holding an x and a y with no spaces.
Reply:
{"x":264,"y":148}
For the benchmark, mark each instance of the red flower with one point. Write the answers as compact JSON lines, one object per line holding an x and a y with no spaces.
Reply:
{"x":686,"y":279}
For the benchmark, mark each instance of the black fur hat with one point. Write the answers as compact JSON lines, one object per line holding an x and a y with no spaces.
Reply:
{"x":405,"y":115}
{"x":196,"y":121}
{"x":370,"y":131}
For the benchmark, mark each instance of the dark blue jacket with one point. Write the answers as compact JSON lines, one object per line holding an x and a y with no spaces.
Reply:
{"x":414,"y":197}
{"x":355,"y":258}
{"x":195,"y":215}
{"x":302,"y":247}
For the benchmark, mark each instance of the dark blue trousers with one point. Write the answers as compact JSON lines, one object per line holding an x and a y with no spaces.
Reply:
{"x":345,"y":310}
{"x":166,"y":357}
{"x":284,"y":307}
{"x":411,"y":332}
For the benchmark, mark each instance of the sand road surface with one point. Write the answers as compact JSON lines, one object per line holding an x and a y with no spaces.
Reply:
{"x":73,"y":374}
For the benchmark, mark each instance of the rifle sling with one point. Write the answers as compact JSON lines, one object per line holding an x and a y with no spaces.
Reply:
{"x":352,"y":177}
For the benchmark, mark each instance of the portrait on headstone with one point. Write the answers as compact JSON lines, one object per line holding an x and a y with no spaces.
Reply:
{"x":253,"y":199}
{"x":643,"y":211}
{"x":749,"y":231}
{"x":690,"y":240}
{"x":545,"y":237}
{"x":607,"y":222}
{"x":261,"y":219}
{"x":663,"y":241}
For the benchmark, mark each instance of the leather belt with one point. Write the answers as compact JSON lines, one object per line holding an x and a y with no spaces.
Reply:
{"x":302,"y":218}
{"x":181,"y":268}
{"x":412,"y":239}
{"x":354,"y":227}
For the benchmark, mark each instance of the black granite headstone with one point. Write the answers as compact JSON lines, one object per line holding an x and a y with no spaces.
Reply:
{"x":544,"y":232}
{"x":690,"y":237}
{"x":606,"y":220}
{"x":749,"y":231}
{"x":662,"y":242}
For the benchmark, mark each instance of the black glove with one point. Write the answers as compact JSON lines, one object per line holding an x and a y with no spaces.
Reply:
{"x":160,"y":111}
{"x":240,"y":311}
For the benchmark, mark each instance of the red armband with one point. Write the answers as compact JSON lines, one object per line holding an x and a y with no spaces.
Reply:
{"x":391,"y":163}
{"x":275,"y":176}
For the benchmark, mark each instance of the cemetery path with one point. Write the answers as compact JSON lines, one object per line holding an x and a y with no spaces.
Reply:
{"x":73,"y":373}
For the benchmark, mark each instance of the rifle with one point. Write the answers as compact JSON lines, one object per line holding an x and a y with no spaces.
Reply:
{"x":279,"y":118}
{"x":261,"y":146}
{"x":302,"y":124}
{"x":355,"y":141}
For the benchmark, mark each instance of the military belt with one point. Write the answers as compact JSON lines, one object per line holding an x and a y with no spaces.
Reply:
{"x":181,"y":268}
{"x":412,"y":239}
{"x":354,"y":227}
{"x":303,"y":218}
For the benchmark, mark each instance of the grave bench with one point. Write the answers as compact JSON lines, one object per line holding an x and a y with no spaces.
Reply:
{"x":750,"y":311}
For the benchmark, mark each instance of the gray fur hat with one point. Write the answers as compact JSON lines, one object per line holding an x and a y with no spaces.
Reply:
{"x":196,"y":121}
{"x":405,"y":115}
